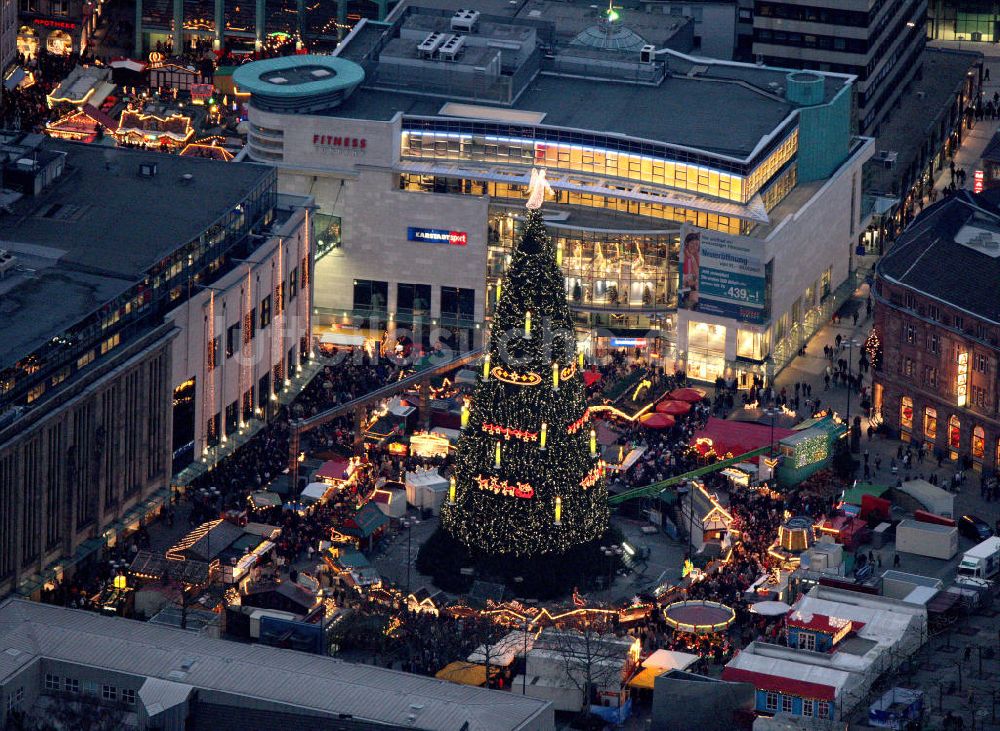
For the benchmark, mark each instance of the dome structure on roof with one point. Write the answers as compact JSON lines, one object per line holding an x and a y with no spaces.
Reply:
{"x":610,"y":34}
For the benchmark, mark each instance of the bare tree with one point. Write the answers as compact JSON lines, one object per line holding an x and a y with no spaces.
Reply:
{"x":590,"y":656}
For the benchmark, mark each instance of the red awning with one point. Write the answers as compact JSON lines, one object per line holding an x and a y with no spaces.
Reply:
{"x":591,"y":377}
{"x":779,"y":684}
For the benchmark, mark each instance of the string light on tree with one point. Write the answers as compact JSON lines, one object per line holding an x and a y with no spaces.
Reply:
{"x":507,"y":496}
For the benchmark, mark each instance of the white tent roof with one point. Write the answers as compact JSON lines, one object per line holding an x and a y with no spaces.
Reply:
{"x":503,"y":652}
{"x":429,"y":478}
{"x":314,"y":491}
{"x":670,"y":660}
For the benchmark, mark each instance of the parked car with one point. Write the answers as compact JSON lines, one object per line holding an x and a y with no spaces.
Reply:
{"x":974,"y":527}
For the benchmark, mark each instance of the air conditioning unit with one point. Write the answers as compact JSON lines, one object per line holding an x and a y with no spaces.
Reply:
{"x":429,"y":45}
{"x":452,"y":48}
{"x":647,"y":54}
{"x":465,"y":21}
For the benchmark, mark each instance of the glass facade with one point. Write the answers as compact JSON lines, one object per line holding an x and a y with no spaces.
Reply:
{"x":665,"y":167}
{"x":618,"y":246}
{"x":963,"y":20}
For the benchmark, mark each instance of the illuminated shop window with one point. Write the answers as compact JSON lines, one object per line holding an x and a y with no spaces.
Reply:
{"x":978,"y":443}
{"x":930,"y":423}
{"x":906,"y":413}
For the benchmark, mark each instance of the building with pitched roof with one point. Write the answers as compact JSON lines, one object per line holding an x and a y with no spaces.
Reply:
{"x":937,"y":315}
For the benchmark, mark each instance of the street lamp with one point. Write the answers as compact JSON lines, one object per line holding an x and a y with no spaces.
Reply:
{"x":850,"y":386}
{"x":409,"y":524}
{"x":612,"y":552}
{"x":773,"y":412}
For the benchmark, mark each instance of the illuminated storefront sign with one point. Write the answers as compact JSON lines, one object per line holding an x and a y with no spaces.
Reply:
{"x":962,"y":382}
{"x":64,"y":24}
{"x":978,"y":180}
{"x":437,"y":236}
{"x":628,"y":342}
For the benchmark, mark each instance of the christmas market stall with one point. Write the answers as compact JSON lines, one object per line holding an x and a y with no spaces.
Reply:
{"x":706,"y":519}
{"x":807,"y":451}
{"x":426,"y":489}
{"x":84,"y":85}
{"x":82,"y":125}
{"x":138,"y":128}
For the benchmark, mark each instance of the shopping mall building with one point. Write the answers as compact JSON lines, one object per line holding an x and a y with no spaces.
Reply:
{"x":418,"y":138}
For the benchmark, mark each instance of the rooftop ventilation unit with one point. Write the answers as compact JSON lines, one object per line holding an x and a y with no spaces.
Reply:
{"x":6,"y":262}
{"x":465,"y":21}
{"x":452,"y":48}
{"x":147,"y":169}
{"x":429,"y":45}
{"x":647,"y":54}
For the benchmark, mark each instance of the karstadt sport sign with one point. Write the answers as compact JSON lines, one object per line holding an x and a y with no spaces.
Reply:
{"x":437,"y":236}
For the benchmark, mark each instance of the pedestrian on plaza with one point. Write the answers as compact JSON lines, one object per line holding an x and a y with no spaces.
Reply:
{"x":895,"y":561}
{"x":986,"y":74}
{"x":826,"y":381}
{"x":855,"y":316}
{"x":839,"y":340}
{"x":871,"y":431}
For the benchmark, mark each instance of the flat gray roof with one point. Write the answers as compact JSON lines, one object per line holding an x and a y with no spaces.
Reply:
{"x":99,"y":227}
{"x":316,"y":684}
{"x":681,"y":111}
{"x":906,"y":129}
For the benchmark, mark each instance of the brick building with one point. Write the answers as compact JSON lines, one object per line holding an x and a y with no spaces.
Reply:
{"x":937,"y":313}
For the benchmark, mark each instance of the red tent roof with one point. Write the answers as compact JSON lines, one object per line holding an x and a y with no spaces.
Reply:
{"x":673,"y":407}
{"x":657,"y":421}
{"x":687,"y":394}
{"x":334,"y":469}
{"x":738,"y":437}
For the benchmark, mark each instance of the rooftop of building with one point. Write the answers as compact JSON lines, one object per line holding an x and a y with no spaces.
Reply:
{"x":682,"y":106}
{"x":906,"y":128}
{"x":98,"y":227}
{"x":951,"y":253}
{"x":313,"y":683}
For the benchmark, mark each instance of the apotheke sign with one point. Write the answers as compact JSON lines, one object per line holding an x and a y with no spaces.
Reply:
{"x":437,"y":236}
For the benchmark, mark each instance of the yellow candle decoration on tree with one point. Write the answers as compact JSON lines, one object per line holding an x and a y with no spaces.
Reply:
{"x":580,"y":359}
{"x":527,"y":324}
{"x":486,"y":368}
{"x":451,"y":490}
{"x":559,"y":254}
{"x":496,"y":456}
{"x":558,"y":510}
{"x":465,"y":415}
{"x":545,"y":434}
{"x":555,"y":376}
{"x":593,"y":442}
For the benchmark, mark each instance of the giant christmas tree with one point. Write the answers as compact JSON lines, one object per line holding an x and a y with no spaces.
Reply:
{"x":527,"y":482}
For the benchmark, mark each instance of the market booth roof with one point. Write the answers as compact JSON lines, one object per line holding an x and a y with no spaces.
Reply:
{"x":691,"y":395}
{"x":465,"y":673}
{"x":674,"y":408}
{"x":657,"y":421}
{"x":738,"y":437}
